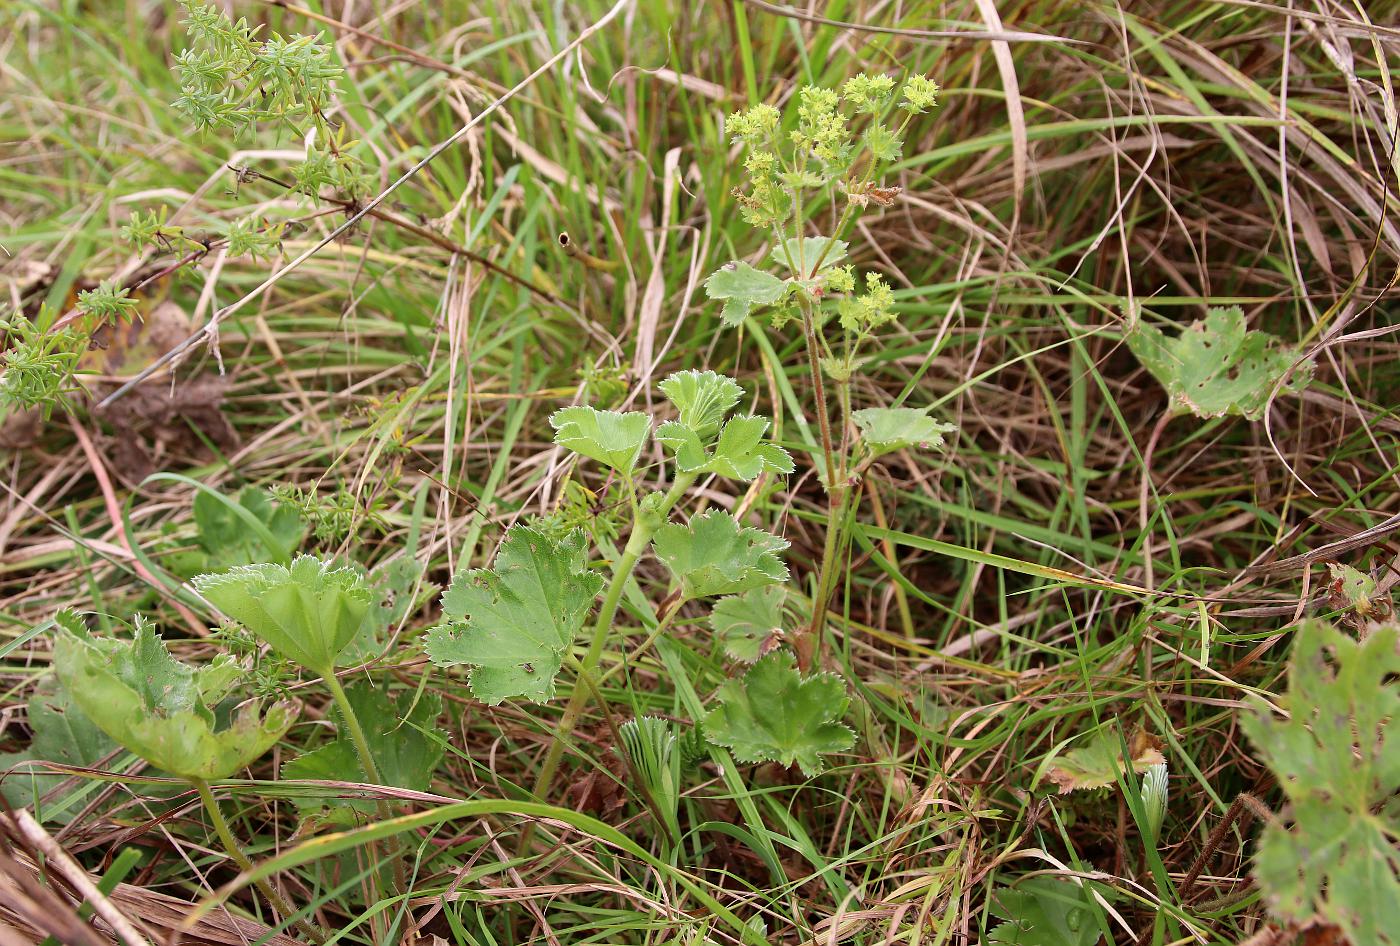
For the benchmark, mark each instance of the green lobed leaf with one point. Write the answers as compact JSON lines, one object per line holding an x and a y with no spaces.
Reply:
{"x":714,"y":555}
{"x":227,"y":541}
{"x":702,"y":399}
{"x":62,"y":734}
{"x":402,"y":738}
{"x":744,"y":622}
{"x":803,"y":255}
{"x":886,"y":429}
{"x":742,"y":287}
{"x":159,"y":708}
{"x":1333,"y":854}
{"x":774,"y":714}
{"x":514,"y":623}
{"x":740,"y":452}
{"x":1215,"y":367}
{"x":308,"y":613}
{"x":1045,"y":911}
{"x":613,"y":439}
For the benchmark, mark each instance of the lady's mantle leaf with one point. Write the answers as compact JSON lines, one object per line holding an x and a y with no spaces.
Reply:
{"x":406,"y":754}
{"x":63,"y":735}
{"x":886,"y":429}
{"x":1097,"y":762}
{"x":714,"y":555}
{"x":804,"y":254}
{"x":1215,"y":367}
{"x":513,"y":624}
{"x":613,"y":439}
{"x":740,"y":453}
{"x":308,"y":612}
{"x":1046,"y":911}
{"x":1338,"y":761}
{"x":702,"y":399}
{"x":774,"y":714}
{"x":160,"y":708}
{"x":744,"y":622}
{"x":742,"y":287}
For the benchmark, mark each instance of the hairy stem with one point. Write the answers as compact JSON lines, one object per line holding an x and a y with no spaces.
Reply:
{"x":637,"y":544}
{"x":231,"y":847}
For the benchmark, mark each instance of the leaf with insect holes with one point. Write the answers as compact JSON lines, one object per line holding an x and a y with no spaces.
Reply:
{"x":774,"y":714}
{"x":743,"y":622}
{"x":1046,"y":911}
{"x":740,"y":452}
{"x":703,"y":399}
{"x":513,"y":623}
{"x":1097,"y":762}
{"x":742,"y":287}
{"x":1215,"y":367}
{"x":162,"y":709}
{"x":308,"y":612}
{"x":1336,"y":756}
{"x":402,"y":738}
{"x":614,"y":440}
{"x":714,"y":555}
{"x":887,"y":429}
{"x":802,"y":256}
{"x":63,"y":735}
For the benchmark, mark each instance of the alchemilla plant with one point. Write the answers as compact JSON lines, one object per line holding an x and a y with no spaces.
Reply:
{"x":810,"y":175}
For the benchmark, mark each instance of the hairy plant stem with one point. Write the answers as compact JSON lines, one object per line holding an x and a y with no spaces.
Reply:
{"x":230,"y":845}
{"x":809,"y":645}
{"x":382,"y":809}
{"x":642,"y":530}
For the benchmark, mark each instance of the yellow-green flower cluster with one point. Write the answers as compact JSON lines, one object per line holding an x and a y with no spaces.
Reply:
{"x":821,"y":129}
{"x":766,"y":202}
{"x":862,"y":314}
{"x":755,"y":125}
{"x":867,"y":94}
{"x":919,"y":94}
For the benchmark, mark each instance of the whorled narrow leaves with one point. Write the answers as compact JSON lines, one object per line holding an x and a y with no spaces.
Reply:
{"x":307,"y":612}
{"x":161,"y":709}
{"x":774,"y":714}
{"x":714,"y":555}
{"x":1337,"y":759}
{"x":613,"y":439}
{"x":513,"y":623}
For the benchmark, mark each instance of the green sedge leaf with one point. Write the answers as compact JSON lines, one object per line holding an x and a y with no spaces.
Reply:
{"x":613,"y":439}
{"x":702,"y":399}
{"x":714,"y":555}
{"x":744,"y":622}
{"x":774,"y":714}
{"x":741,"y":287}
{"x":887,"y":429}
{"x":803,"y":255}
{"x":513,"y":623}
{"x":308,"y":613}
{"x":1336,"y":756}
{"x":161,"y":709}
{"x":1215,"y":367}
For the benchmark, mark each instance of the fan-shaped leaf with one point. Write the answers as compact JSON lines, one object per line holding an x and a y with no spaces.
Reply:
{"x":740,"y":453}
{"x":804,"y":254}
{"x":308,"y":612}
{"x":613,"y":439}
{"x":774,"y":714}
{"x":513,"y":624}
{"x":714,"y":555}
{"x":886,"y":429}
{"x":744,"y":622}
{"x":702,"y":399}
{"x":1215,"y":367}
{"x":742,"y":287}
